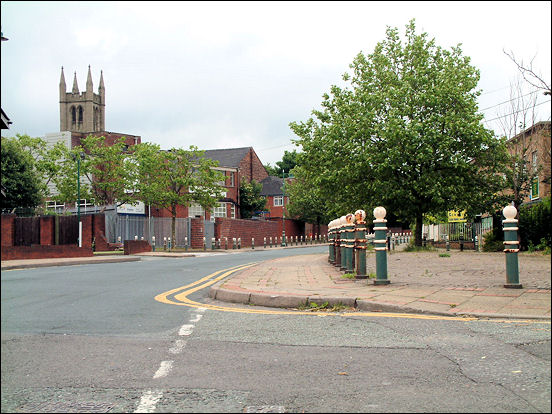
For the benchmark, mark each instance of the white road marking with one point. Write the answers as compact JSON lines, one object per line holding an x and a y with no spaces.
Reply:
{"x":163,"y":370}
{"x":148,"y":401}
{"x":178,"y":346}
{"x":186,"y":330}
{"x":197,"y":318}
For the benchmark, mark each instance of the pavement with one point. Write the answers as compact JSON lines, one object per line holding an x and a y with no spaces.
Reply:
{"x":469,"y":284}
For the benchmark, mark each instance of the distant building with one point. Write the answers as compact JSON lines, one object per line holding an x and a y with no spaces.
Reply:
{"x":533,"y":144}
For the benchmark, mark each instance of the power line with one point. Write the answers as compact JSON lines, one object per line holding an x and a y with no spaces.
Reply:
{"x":510,"y":100}
{"x":515,"y":112}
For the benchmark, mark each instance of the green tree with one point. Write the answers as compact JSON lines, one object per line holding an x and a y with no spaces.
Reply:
{"x":404,"y":133}
{"x":21,"y":185}
{"x":289,"y":160}
{"x":176,"y":177}
{"x":251,"y":199}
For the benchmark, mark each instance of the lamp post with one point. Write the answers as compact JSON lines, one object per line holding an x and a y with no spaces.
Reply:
{"x":284,"y":208}
{"x":79,"y":157}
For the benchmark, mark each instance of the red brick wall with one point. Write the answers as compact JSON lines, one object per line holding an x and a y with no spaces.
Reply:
{"x":197,"y":233}
{"x":7,"y":229}
{"x":245,"y":229}
{"x":136,"y":246}
{"x":43,"y":252}
{"x":251,"y":167}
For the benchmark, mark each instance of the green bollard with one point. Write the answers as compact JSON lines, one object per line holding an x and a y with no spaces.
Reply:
{"x":350,"y":229}
{"x":253,"y":243}
{"x":212,"y":243}
{"x":264,"y":242}
{"x":511,"y":247}
{"x":360,"y":241}
{"x":331,"y":252}
{"x":380,"y":230}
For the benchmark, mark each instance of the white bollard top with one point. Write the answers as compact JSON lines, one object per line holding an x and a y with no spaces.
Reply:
{"x":379,"y":213}
{"x":509,"y":212}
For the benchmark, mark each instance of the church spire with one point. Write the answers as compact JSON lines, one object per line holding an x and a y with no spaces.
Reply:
{"x":75,"y":86}
{"x":89,"y":81}
{"x":101,"y":88}
{"x":62,"y":86}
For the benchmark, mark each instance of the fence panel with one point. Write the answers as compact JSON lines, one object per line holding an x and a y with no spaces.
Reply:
{"x":127,"y":227}
{"x":68,"y":229}
{"x":27,"y":231}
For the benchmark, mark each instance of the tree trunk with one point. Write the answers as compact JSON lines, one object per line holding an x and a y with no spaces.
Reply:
{"x":418,"y":230}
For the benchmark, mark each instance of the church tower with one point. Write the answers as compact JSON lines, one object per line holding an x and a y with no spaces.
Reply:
{"x":82,"y":112}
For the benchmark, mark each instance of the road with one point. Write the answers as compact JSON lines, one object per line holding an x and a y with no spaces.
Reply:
{"x":93,"y":338}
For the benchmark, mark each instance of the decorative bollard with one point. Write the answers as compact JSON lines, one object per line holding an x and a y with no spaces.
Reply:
{"x":476,"y":243}
{"x":270,"y":244}
{"x":448,"y":243}
{"x":212,"y":243}
{"x":164,"y":243}
{"x":264,"y":242}
{"x":226,"y":243}
{"x":239,"y":242}
{"x":233,"y":243}
{"x":253,"y":243}
{"x":511,"y":247}
{"x":380,"y":230}
{"x":204,"y":244}
{"x":350,"y":231}
{"x":169,"y":241}
{"x":153,"y":242}
{"x":331,"y":247}
{"x":342,"y":243}
{"x":360,"y":248}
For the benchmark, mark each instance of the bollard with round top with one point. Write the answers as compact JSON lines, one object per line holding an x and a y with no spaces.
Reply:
{"x":511,"y":247}
{"x":380,"y":230}
{"x":360,"y":241}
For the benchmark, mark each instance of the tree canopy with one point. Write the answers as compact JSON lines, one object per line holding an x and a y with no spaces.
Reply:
{"x":21,"y":184}
{"x":404,"y":133}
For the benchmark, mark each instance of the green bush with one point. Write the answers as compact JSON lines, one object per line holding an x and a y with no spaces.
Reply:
{"x":493,"y":241}
{"x":535,"y":226}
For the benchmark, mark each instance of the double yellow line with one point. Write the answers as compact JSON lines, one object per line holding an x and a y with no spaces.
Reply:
{"x":179,"y":297}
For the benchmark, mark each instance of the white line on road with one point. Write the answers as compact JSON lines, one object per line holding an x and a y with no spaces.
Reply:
{"x":178,"y":346}
{"x":186,"y":330}
{"x":148,"y":401}
{"x":163,"y":370}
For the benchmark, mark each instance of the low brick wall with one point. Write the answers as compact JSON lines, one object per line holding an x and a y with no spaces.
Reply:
{"x":44,"y":252}
{"x":468,"y":245}
{"x":136,"y":246}
{"x":245,"y":229}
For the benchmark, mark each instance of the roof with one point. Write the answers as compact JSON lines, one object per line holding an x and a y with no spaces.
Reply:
{"x":228,"y":157}
{"x":5,"y":123}
{"x":272,"y":185}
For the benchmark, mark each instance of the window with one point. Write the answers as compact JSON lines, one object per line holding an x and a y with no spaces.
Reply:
{"x":218,"y":211}
{"x":233,"y":210}
{"x":278,"y":201}
{"x":196,"y":210}
{"x":535,"y":188}
{"x":232,"y":179}
{"x":54,"y":205}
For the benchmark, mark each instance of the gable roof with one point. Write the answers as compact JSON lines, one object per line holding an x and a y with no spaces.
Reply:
{"x":227,"y":157}
{"x":272,"y":185}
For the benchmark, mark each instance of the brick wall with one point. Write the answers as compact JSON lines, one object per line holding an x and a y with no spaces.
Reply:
{"x":47,"y":230}
{"x":42,"y":252}
{"x":136,"y":246}
{"x":7,"y":225}
{"x":197,"y":233}
{"x":251,"y":167}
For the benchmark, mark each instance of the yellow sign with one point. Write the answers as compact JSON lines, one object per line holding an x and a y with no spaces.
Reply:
{"x":456,"y":217}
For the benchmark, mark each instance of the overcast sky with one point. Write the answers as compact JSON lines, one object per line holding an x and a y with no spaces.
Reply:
{"x":235,"y":74}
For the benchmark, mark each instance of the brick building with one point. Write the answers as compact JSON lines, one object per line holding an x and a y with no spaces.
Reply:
{"x":533,"y":144}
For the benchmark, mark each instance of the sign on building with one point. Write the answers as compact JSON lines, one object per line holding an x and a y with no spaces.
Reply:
{"x":136,"y":208}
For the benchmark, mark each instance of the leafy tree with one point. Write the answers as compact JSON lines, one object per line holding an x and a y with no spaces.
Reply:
{"x":251,"y":199}
{"x":404,"y":133}
{"x":176,"y":177}
{"x":288,"y":162}
{"x":21,"y":185}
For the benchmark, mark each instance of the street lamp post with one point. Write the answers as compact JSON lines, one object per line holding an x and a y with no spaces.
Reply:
{"x":284,"y":208}
{"x":79,"y":156}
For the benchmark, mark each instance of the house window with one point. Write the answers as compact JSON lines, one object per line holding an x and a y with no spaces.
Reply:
{"x":218,"y":211}
{"x":278,"y":201}
{"x":54,"y":205}
{"x":232,"y":179}
{"x":196,"y":210}
{"x":233,"y":210}
{"x":535,"y":188}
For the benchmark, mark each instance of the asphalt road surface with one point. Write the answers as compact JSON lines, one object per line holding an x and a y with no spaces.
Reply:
{"x":92,"y":338}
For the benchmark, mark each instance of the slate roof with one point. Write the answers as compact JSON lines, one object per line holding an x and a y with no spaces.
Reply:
{"x":272,"y":185}
{"x":227,"y":157}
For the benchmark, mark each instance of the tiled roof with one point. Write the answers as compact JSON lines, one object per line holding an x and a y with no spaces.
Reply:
{"x":272,"y":185}
{"x":227,"y":157}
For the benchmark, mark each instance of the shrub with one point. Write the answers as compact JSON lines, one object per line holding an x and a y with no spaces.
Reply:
{"x":535,"y":225}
